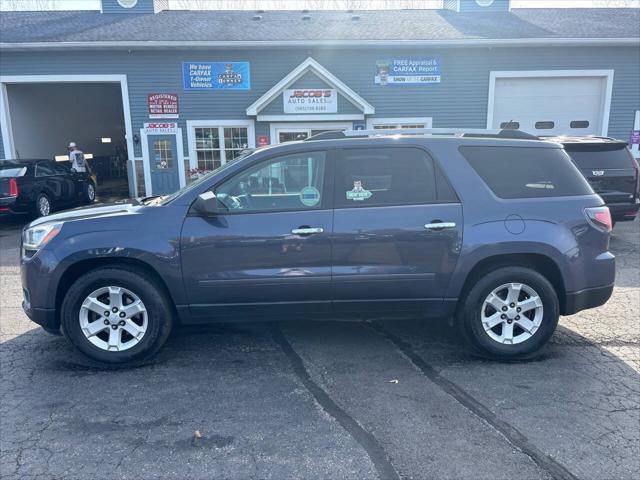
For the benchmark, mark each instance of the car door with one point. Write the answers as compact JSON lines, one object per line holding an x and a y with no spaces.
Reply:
{"x":397,"y":231}
{"x":49,"y":182}
{"x":268,"y":251}
{"x":70,"y":183}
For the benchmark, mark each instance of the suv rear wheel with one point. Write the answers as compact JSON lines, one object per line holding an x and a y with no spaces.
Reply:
{"x":510,"y":313}
{"x":116,"y":316}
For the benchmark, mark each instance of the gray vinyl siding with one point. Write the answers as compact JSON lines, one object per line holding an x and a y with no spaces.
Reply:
{"x":112,"y":6}
{"x":472,"y":6}
{"x":460,"y":100}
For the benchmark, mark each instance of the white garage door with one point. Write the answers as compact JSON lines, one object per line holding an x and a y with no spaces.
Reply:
{"x":550,"y":105}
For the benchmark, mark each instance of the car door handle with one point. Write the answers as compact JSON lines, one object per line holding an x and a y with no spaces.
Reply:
{"x":439,"y":225}
{"x":307,"y":230}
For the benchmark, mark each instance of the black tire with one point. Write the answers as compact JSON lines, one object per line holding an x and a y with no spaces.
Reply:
{"x":38,"y":207}
{"x":469,"y":313}
{"x":158,"y":306}
{"x":89,"y":194}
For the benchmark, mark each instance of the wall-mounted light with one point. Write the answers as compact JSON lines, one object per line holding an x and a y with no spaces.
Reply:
{"x":105,"y":140}
{"x":61,"y":158}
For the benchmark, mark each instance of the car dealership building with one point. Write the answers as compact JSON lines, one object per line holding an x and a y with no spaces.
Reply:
{"x":174,"y":93}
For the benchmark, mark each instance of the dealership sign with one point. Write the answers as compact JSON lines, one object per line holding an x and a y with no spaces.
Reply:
{"x":216,"y":76}
{"x":160,"y":128}
{"x":407,"y":71}
{"x":310,"y":100}
{"x":163,"y":105}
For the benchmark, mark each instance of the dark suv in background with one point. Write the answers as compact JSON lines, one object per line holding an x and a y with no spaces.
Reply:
{"x":610,"y":169}
{"x":501,"y":234}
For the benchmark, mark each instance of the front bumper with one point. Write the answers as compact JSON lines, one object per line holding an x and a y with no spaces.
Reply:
{"x":45,"y":317}
{"x":587,"y":298}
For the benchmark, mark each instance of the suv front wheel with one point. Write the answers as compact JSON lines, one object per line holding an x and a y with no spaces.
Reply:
{"x":116,"y":316}
{"x":510,"y":313}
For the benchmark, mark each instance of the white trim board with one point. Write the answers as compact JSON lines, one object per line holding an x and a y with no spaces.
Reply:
{"x":191,"y":136}
{"x":229,"y":44}
{"x":308,"y":118}
{"x":146,"y":166}
{"x":427,"y":121}
{"x":274,"y":127}
{"x":310,"y":65}
{"x":5,"y":117}
{"x":607,"y":74}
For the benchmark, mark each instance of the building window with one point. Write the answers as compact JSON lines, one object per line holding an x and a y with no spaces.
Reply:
{"x":545,"y":125}
{"x":579,"y":124}
{"x":393,"y":123}
{"x":217,"y":145}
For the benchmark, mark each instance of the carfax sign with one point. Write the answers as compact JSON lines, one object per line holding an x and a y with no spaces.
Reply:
{"x":407,"y":71}
{"x":216,"y":76}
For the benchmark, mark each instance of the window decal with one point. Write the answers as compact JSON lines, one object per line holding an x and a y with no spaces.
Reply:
{"x":310,"y":196}
{"x":358,"y":194}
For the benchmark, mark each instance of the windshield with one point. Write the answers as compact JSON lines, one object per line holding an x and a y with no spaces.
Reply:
{"x":193,"y":185}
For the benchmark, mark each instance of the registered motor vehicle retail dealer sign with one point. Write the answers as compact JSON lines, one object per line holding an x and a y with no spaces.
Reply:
{"x":163,"y":105}
{"x":310,"y":100}
{"x":216,"y":76}
{"x":407,"y":71}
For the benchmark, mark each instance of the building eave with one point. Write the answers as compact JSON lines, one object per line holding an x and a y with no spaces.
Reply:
{"x":346,"y":43}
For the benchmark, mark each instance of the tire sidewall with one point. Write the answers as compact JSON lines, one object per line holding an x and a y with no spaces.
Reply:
{"x":158,"y":314}
{"x":471,"y":321}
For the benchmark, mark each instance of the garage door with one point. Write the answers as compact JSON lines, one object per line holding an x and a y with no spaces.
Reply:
{"x":550,"y":105}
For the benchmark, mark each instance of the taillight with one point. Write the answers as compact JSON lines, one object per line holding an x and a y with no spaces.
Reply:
{"x":13,"y":187}
{"x":600,"y":217}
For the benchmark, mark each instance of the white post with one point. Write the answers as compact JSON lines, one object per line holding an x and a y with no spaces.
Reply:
{"x":635,"y":149}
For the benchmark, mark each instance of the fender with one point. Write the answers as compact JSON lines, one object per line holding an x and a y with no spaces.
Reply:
{"x":554,"y":244}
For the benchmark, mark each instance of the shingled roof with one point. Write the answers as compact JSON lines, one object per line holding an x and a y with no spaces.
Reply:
{"x":338,"y":26}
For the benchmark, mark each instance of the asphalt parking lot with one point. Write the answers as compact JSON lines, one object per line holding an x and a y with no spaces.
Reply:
{"x":327,"y":399}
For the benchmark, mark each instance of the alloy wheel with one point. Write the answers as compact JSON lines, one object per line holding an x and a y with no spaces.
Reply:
{"x":44,"y":207}
{"x":512,"y":313}
{"x":113,"y":318}
{"x":91,"y":193}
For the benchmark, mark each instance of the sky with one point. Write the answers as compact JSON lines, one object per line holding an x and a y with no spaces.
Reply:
{"x":299,"y":4}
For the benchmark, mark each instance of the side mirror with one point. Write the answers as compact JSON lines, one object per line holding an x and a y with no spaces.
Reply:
{"x":206,"y":204}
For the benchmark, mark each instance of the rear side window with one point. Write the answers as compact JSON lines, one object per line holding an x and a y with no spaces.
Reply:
{"x":602,"y":158}
{"x":520,"y":172}
{"x":373,"y":177}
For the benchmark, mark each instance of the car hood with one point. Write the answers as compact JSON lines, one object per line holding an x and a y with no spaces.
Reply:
{"x":123,"y":207}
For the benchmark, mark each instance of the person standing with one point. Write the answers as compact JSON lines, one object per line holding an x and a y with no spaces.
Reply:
{"x":76,"y":158}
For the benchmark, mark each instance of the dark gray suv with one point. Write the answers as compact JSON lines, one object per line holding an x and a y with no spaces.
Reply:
{"x":500,"y":234}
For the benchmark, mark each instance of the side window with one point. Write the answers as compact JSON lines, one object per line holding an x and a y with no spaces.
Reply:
{"x":373,"y":177}
{"x":59,"y":169}
{"x":526,"y":172}
{"x":44,"y":169}
{"x":291,"y":182}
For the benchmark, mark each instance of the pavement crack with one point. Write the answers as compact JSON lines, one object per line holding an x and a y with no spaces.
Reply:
{"x":366,"y":440}
{"x":555,"y":469}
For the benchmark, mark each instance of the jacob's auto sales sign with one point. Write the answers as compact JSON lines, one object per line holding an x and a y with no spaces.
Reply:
{"x":310,"y":100}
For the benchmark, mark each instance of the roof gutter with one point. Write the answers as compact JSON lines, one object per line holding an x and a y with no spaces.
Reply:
{"x":502,"y":42}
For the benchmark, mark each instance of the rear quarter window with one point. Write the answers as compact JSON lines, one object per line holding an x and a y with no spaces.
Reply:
{"x":526,"y":172}
{"x":10,"y":169}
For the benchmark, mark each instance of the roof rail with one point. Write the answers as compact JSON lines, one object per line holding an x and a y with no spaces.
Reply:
{"x":458,"y":132}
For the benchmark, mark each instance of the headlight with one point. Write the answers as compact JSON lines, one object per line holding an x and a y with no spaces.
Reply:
{"x":35,"y":238}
